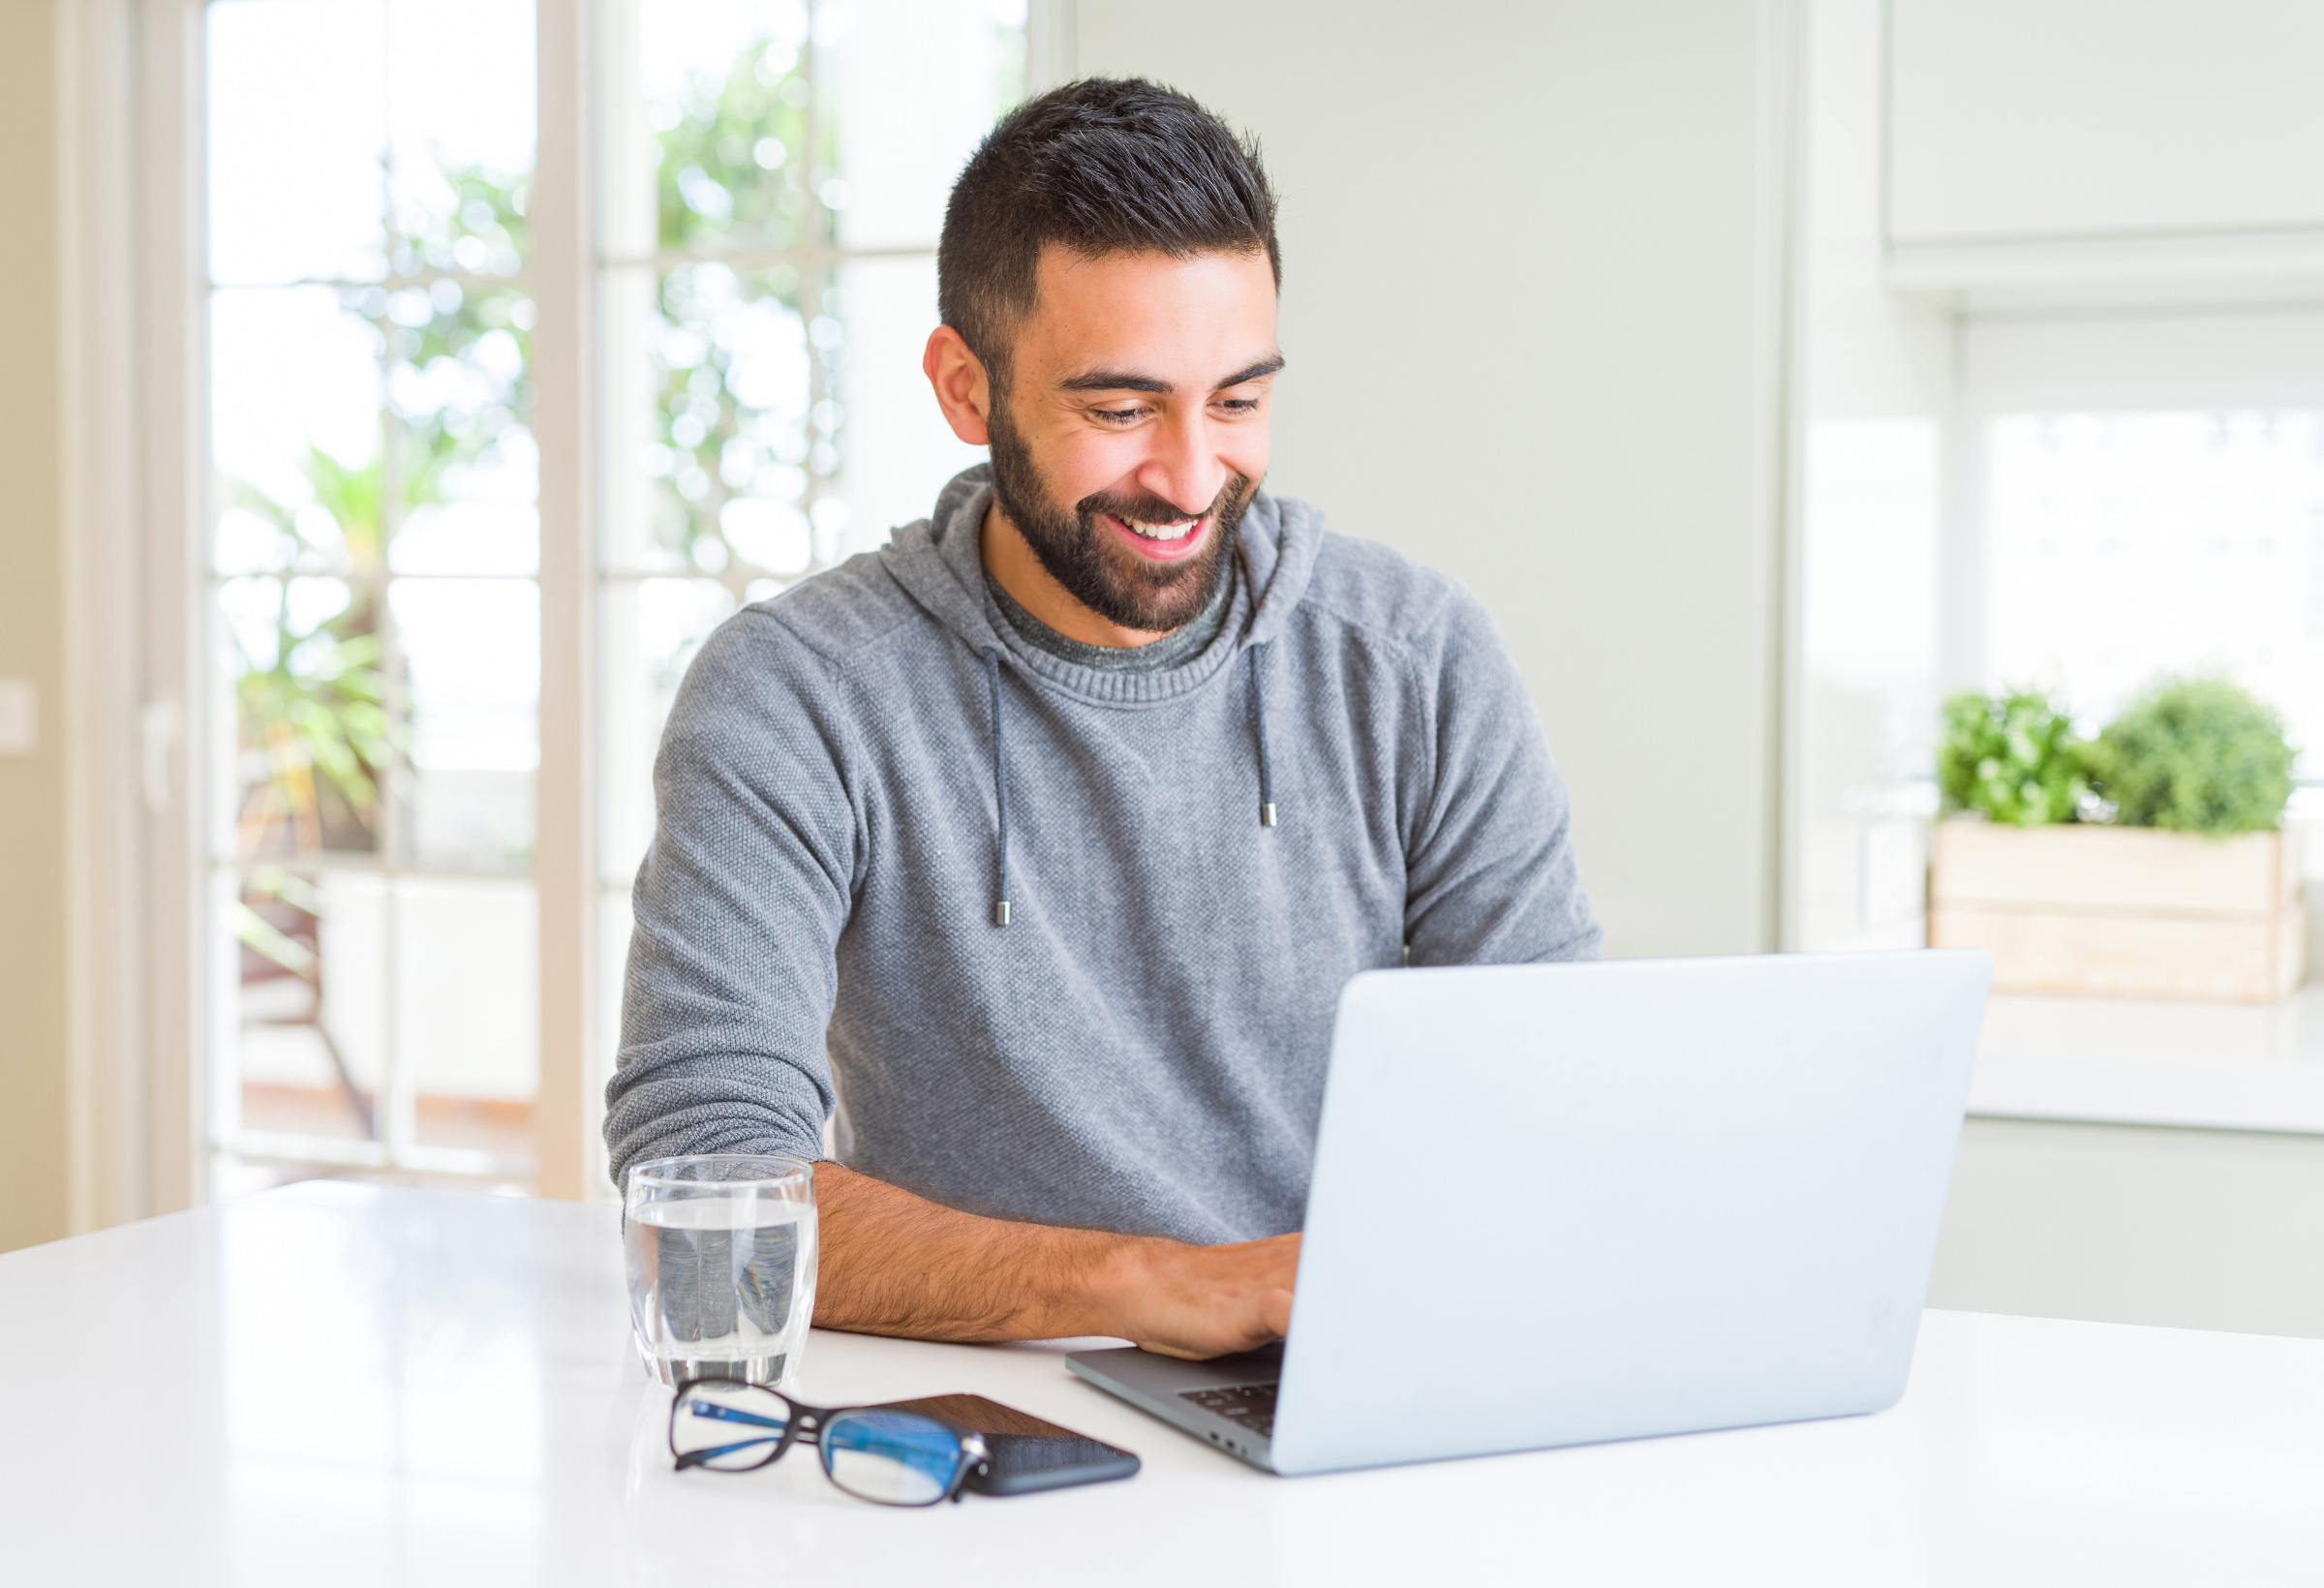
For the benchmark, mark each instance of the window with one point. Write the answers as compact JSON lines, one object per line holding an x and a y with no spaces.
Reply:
{"x":768,"y":182}
{"x":2142,"y":495}
{"x":2124,"y":545}
{"x":373,"y":555}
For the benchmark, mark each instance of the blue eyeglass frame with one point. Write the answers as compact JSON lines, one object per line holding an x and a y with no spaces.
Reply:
{"x":806,"y":1423}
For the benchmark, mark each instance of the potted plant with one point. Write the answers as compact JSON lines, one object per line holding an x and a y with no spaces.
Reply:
{"x":2150,"y":862}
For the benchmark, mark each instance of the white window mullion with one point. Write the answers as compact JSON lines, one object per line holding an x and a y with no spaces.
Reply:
{"x":565,"y":376}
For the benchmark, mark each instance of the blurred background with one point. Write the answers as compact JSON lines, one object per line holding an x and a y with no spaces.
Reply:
{"x":1889,"y":433}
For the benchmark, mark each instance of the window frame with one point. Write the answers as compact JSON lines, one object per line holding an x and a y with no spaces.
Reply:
{"x":167,"y":250}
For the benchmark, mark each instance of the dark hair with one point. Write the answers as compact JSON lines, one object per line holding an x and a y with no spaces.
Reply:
{"x":1103,"y":165}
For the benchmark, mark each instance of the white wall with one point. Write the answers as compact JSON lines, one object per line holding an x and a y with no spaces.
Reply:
{"x":1531,"y":302}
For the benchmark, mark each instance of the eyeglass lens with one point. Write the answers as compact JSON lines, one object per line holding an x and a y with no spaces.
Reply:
{"x":727,"y":1427}
{"x":892,"y":1458}
{"x":897,"y":1459}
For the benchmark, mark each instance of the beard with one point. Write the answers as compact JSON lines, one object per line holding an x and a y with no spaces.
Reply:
{"x":1083,"y":556}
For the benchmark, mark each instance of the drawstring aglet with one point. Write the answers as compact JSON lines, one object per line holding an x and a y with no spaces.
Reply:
{"x":1000,"y":912}
{"x":1267,"y":818}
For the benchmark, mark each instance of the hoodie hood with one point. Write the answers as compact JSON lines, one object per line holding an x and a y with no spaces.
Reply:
{"x":939,"y":562}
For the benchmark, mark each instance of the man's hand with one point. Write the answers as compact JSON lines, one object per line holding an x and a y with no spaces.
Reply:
{"x":1202,"y":1301}
{"x":895,"y":1264}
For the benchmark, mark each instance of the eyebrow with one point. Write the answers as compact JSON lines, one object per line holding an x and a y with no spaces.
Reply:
{"x":1124,"y":381}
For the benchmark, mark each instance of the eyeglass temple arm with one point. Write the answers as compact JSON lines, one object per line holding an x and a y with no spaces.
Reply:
{"x":711,"y":1453}
{"x":711,"y":1409}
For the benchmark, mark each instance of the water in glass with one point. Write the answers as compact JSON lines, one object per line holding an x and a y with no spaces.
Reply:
{"x":721,"y":1276}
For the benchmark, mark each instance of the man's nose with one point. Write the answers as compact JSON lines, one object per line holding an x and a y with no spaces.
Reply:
{"x":1185,"y":469}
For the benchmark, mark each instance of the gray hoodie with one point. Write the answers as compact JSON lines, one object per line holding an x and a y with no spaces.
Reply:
{"x":858,"y":772}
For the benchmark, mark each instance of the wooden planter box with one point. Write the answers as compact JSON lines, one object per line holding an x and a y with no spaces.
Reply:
{"x":2120,"y":911}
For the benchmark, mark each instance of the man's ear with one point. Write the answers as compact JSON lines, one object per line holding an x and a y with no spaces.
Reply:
{"x":963,"y":391}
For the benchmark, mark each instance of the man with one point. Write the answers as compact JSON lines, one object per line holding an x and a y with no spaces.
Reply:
{"x":1040,"y":842}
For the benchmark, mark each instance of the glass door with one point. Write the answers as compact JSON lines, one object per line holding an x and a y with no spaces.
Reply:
{"x":374,"y":609}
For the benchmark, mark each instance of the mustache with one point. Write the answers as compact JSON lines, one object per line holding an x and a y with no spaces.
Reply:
{"x":1145,"y":508}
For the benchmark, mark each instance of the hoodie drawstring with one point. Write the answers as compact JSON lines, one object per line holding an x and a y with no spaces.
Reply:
{"x":1000,"y":798}
{"x":1266,"y":779}
{"x":1001,"y":781}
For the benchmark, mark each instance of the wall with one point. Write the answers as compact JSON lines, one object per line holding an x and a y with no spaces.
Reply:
{"x":1532,"y":303}
{"x":34,"y":1102}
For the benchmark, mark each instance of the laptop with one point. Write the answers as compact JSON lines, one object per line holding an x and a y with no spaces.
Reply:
{"x":1553,"y":1205}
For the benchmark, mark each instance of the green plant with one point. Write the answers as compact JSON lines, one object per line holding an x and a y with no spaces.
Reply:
{"x":313,"y":689}
{"x":741,"y":156}
{"x":2196,"y":755}
{"x":2012,"y":758}
{"x":730,"y":169}
{"x":310,"y":702}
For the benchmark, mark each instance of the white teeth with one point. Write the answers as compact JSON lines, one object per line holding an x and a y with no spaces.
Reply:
{"x":1163,"y":532}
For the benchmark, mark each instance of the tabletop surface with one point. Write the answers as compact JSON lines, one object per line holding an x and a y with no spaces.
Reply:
{"x":339,"y":1384}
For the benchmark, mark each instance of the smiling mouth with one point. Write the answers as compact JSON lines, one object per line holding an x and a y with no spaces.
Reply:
{"x":1165,"y":532}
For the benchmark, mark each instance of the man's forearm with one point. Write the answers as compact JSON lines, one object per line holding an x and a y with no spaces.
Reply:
{"x":892,"y":1263}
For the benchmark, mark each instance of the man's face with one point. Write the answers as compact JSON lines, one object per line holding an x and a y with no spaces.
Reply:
{"x":1136,"y":426}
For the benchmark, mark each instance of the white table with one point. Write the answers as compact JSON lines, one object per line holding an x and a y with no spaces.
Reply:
{"x":331,"y":1385}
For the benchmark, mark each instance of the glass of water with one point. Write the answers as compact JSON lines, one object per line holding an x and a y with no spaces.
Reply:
{"x":722,"y":1255}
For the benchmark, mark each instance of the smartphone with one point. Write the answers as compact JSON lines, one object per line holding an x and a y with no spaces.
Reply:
{"x":1024,"y":1452}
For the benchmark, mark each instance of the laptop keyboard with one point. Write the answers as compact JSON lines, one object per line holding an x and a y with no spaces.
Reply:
{"x":1250,"y":1406}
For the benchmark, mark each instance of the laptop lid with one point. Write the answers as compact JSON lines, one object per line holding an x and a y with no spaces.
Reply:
{"x":1557,"y":1204}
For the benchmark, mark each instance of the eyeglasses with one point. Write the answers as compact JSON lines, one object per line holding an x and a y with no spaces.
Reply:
{"x":888,"y":1457}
